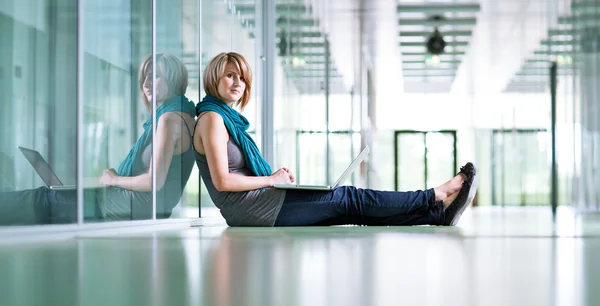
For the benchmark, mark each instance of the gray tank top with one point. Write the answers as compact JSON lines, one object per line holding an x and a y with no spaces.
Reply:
{"x":118,"y":203}
{"x":258,"y":207}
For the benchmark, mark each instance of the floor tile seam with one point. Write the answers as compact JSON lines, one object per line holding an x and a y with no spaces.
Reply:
{"x":532,"y":236}
{"x":146,"y":238}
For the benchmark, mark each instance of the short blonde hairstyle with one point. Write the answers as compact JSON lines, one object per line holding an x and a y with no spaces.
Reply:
{"x":216,"y":69}
{"x":170,"y":69}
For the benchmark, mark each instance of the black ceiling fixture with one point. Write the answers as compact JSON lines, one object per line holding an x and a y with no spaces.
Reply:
{"x":283,"y":44}
{"x":436,"y":43}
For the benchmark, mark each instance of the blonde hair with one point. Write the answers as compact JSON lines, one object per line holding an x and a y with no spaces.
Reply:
{"x":215,"y":70}
{"x":170,"y":69}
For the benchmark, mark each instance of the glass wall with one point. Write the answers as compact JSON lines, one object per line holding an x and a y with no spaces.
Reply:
{"x":318,"y":95}
{"x":38,"y":109}
{"x":120,"y":73}
{"x":96,"y":117}
{"x":585,"y":24}
{"x":519,"y":172}
{"x":80,"y":120}
{"x":229,"y":26}
{"x":521,"y":160}
{"x":116,"y":37}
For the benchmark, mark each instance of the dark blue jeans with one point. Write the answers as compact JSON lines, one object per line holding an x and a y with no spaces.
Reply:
{"x":46,"y":206}
{"x":38,"y":206}
{"x":351,"y":205}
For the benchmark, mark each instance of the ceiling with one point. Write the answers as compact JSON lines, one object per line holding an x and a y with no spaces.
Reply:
{"x":497,"y":38}
{"x":534,"y":74}
{"x":560,"y":44}
{"x":454,"y":21}
{"x":493,"y":46}
{"x":301,"y":45}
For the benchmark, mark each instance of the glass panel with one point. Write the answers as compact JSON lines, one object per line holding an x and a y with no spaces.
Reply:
{"x":190,"y":27}
{"x":299,"y":95}
{"x":356,"y":112}
{"x":359,"y":177}
{"x":498,"y":195}
{"x":522,"y":168}
{"x":311,"y":159}
{"x":311,"y":112}
{"x":113,"y":110}
{"x":509,"y":171}
{"x":215,"y":37}
{"x":341,"y":156}
{"x":217,"y":28}
{"x":341,"y":111}
{"x":411,"y":163}
{"x":383,"y":156}
{"x":38,"y":108}
{"x":585,"y":22}
{"x":243,"y":42}
{"x":177,"y":38}
{"x":485,"y":162}
{"x":286,"y":142}
{"x":440,"y":158}
{"x":177,"y":45}
{"x":229,"y":26}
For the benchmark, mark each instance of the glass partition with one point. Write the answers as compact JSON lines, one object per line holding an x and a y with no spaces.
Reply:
{"x":121,"y":73}
{"x":317,"y":108}
{"x":410,"y":159}
{"x":87,"y":89}
{"x":44,"y":92}
{"x":423,"y":159}
{"x":178,"y":42}
{"x":38,"y":108}
{"x":113,"y":109}
{"x":584,"y":128}
{"x":229,"y":26}
{"x":520,"y":171}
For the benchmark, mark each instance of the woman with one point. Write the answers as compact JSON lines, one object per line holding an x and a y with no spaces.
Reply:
{"x":129,"y":189}
{"x":240,"y":182}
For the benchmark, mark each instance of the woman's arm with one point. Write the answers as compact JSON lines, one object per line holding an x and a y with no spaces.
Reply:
{"x":214,"y":138}
{"x":168,"y":131}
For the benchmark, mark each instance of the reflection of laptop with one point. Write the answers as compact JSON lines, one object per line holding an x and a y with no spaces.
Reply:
{"x":361,"y":156}
{"x":44,"y":170}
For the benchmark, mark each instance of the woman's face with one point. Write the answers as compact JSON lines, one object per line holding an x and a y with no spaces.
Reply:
{"x":162,"y":88}
{"x":231,"y":85}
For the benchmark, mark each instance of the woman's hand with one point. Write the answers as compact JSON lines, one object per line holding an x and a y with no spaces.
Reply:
{"x":283,"y":176}
{"x":108,"y":177}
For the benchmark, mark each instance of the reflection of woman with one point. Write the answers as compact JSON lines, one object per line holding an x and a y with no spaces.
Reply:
{"x":239,"y":180}
{"x":129,"y":195}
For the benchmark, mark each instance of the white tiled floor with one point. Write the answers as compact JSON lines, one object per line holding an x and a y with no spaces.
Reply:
{"x":511,"y":256}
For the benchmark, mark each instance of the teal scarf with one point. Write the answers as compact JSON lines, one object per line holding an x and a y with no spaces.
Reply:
{"x":173,"y":104}
{"x":237,"y":125}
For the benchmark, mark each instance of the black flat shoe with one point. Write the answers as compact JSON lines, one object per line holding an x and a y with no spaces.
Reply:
{"x":465,"y":195}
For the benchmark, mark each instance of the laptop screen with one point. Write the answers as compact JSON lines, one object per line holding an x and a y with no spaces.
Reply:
{"x":41,"y":167}
{"x":357,"y":160}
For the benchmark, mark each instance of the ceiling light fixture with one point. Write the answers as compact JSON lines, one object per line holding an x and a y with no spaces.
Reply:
{"x":564,"y":59}
{"x":298,"y":61}
{"x":436,"y":43}
{"x":432,"y":60}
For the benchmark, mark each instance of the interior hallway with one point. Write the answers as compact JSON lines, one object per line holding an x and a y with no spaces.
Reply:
{"x":496,"y":256}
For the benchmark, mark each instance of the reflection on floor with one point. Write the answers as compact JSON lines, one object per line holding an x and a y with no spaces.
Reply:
{"x":512,"y":256}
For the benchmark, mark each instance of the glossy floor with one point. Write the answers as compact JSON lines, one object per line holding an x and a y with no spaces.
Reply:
{"x":512,"y":256}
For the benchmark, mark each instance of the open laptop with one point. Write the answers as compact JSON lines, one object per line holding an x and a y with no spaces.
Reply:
{"x":43,"y":169}
{"x":357,"y":160}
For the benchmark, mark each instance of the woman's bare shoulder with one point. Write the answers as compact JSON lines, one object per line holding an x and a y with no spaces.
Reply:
{"x":210,"y":119}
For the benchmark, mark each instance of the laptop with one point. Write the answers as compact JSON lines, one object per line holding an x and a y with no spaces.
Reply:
{"x":345,"y":175}
{"x":43,"y":169}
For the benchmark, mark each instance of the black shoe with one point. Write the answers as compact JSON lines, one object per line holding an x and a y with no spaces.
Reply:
{"x":465,"y":195}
